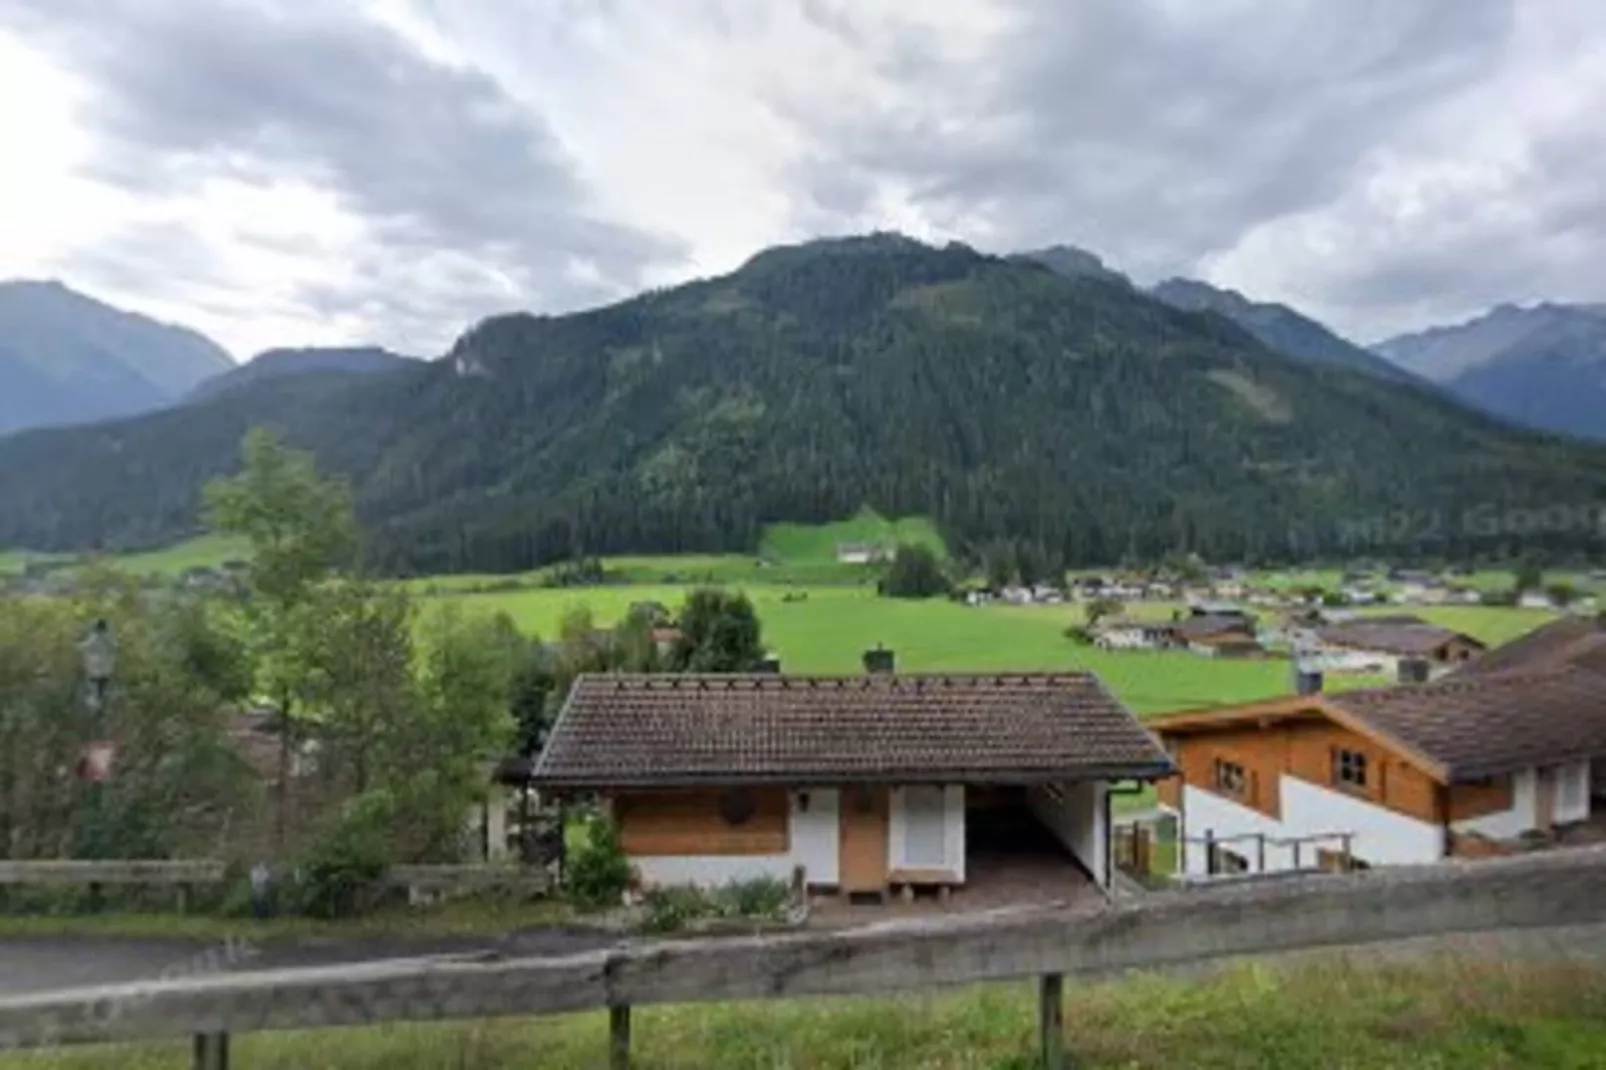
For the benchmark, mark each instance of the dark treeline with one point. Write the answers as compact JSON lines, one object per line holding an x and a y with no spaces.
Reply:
{"x":1074,"y":421}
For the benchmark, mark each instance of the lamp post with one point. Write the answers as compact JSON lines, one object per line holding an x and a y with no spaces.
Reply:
{"x":99,"y":649}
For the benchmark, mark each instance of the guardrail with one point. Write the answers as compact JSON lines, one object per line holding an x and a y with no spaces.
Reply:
{"x":1562,"y":888}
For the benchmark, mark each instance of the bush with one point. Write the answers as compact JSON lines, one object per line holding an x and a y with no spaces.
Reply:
{"x":671,"y":909}
{"x":1080,"y":635}
{"x":668,"y":910}
{"x":341,"y":874}
{"x":761,"y":897}
{"x":598,"y":872}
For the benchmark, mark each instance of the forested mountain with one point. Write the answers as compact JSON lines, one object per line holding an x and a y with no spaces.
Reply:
{"x":67,"y":359}
{"x":1074,"y":263}
{"x":1078,"y":417}
{"x":1278,"y":326}
{"x":277,"y":363}
{"x":1543,"y":366}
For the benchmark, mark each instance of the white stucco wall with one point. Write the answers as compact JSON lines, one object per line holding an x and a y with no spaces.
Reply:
{"x":711,"y":871}
{"x":929,"y":816}
{"x":816,"y":834}
{"x":1074,"y":813}
{"x":1382,"y":837}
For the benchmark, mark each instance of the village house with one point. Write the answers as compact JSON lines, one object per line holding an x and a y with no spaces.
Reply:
{"x":1123,"y":633}
{"x":1382,"y":645}
{"x":1463,"y":766}
{"x":860,"y":553}
{"x":866,"y":784}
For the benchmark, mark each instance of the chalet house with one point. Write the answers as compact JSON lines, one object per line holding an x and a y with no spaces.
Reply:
{"x":1463,"y":766}
{"x":864,"y":783}
{"x":1383,"y":644}
{"x":860,"y":553}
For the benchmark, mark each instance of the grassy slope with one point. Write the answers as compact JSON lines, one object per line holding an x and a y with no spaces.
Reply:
{"x":818,"y":542}
{"x":1433,"y":1015}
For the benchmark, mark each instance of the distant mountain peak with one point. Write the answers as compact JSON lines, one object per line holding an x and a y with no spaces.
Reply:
{"x":285,"y":362}
{"x":1543,"y":365}
{"x":67,"y":358}
{"x":1074,"y":262}
{"x":1277,"y":326}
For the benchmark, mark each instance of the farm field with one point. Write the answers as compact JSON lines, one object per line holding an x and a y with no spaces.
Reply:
{"x":1345,"y":1013}
{"x":828,"y":631}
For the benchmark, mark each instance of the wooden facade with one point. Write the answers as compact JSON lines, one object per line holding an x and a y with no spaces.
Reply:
{"x":1246,"y":762}
{"x":699,"y":822}
{"x":865,"y":830}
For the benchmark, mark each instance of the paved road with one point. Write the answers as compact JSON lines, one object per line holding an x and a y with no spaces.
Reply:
{"x":43,"y":964}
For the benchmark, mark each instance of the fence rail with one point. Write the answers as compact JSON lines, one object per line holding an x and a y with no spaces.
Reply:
{"x":1562,"y":888}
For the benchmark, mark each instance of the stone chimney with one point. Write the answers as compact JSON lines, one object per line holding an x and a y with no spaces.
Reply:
{"x":880,"y":660}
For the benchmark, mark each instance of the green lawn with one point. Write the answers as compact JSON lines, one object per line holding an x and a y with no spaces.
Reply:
{"x":818,"y":542}
{"x":1449,"y":1014}
{"x":1491,"y":625}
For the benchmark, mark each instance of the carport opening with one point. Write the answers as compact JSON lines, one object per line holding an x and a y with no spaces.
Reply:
{"x":1021,"y":840}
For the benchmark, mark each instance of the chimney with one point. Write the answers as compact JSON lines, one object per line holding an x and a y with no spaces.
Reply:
{"x":1307,"y":681}
{"x":879,"y":660}
{"x":1413,"y":671}
{"x":770,"y":664}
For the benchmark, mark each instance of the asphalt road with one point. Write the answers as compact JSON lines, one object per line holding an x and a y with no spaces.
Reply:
{"x":45,"y":964}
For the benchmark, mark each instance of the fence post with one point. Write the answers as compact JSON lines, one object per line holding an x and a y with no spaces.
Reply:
{"x":1051,"y":1020}
{"x":619,"y":1037}
{"x":211,"y":1051}
{"x":1296,"y":852}
{"x":1260,"y":853}
{"x":1210,"y":852}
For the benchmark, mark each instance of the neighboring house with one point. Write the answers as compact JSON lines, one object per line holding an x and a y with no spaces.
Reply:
{"x":1568,"y":641}
{"x":664,"y":639}
{"x":1535,"y":600}
{"x":1214,"y":635}
{"x":1120,"y":633}
{"x":1463,"y":766}
{"x":1382,"y":644}
{"x":863,"y":783}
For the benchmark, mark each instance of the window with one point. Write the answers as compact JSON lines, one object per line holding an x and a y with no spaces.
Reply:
{"x":1231,"y":778}
{"x":924,"y":828}
{"x":1571,"y":790}
{"x":1349,"y":769}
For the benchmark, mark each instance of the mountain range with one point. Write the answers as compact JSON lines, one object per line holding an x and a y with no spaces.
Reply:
{"x":68,"y":359}
{"x":280,"y":363}
{"x":1074,"y":415}
{"x":1543,"y":366}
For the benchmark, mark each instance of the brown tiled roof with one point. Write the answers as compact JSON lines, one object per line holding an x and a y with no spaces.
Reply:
{"x":1389,"y":637}
{"x":1479,"y":726}
{"x":1567,"y":641}
{"x":680,"y":730}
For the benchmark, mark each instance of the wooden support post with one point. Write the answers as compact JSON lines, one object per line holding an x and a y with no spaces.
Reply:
{"x":619,"y":1037}
{"x":1051,"y":1020}
{"x":211,"y":1051}
{"x":1349,"y":859}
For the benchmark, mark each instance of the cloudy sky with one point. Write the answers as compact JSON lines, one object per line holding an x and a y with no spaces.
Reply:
{"x":280,"y":172}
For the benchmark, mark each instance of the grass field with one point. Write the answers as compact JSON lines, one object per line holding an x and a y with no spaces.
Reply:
{"x":1490,"y":625}
{"x":1443,"y":1014}
{"x":829,"y":631}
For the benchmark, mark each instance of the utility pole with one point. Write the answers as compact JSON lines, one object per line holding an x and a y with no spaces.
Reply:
{"x":99,"y":649}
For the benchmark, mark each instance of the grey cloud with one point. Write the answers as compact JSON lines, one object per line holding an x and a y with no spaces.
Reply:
{"x":431,"y":156}
{"x":1154,"y":133}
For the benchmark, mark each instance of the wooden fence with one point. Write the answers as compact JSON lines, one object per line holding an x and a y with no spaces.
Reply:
{"x":1560,"y":888}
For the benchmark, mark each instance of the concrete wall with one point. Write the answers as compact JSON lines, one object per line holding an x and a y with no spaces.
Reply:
{"x":816,"y":833}
{"x":927,"y":830}
{"x":1205,"y":812}
{"x":1074,"y":813}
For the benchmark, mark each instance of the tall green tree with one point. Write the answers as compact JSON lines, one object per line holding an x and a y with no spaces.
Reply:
{"x":719,"y":632}
{"x":915,"y":572}
{"x":300,"y":529}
